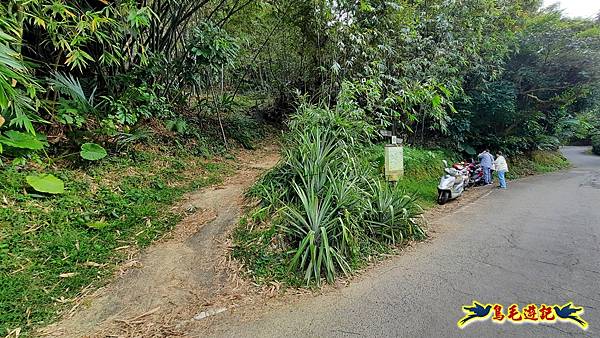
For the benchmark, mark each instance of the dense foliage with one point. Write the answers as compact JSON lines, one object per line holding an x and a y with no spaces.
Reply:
{"x":549,"y":82}
{"x":74,"y":72}
{"x":481,"y":73}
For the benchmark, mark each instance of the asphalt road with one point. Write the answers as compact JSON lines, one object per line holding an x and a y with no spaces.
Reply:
{"x":537,"y":242}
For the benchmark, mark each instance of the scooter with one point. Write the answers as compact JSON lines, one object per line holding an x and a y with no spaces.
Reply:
{"x":475,"y":174}
{"x":452,"y":184}
{"x":464,"y":169}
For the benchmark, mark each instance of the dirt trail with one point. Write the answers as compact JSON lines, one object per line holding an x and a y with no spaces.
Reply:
{"x":176,"y":278}
{"x":189,"y":273}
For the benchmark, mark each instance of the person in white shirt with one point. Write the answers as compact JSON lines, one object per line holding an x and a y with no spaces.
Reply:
{"x":501,"y":168}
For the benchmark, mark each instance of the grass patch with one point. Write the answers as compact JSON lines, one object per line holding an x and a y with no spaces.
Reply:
{"x":53,"y":246}
{"x":422,"y":170}
{"x":541,"y":161}
{"x":267,"y":260}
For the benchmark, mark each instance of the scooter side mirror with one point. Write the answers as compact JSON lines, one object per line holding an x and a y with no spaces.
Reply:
{"x":445,"y":163}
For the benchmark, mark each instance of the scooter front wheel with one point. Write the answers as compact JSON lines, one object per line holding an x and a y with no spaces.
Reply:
{"x":443,"y":197}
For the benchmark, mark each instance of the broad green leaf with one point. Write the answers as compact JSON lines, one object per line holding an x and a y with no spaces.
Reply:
{"x":17,"y":139}
{"x":92,"y":152}
{"x":47,"y":183}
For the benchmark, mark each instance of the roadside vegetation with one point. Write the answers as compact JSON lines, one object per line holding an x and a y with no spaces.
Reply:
{"x":596,"y":145}
{"x":327,"y":211}
{"x":589,"y":128}
{"x":111,"y":110}
{"x":301,"y":235}
{"x":537,"y":162}
{"x":54,"y":246}
{"x":326,"y":205}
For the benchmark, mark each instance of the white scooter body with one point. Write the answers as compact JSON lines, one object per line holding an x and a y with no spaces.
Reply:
{"x":452,"y":184}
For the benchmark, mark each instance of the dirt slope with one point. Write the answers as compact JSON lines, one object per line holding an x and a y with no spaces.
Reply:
{"x":164,"y":286}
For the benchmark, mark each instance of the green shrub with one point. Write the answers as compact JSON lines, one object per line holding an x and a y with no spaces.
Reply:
{"x":392,"y":214}
{"x":331,"y":207}
{"x":539,"y":161}
{"x":243,"y":128}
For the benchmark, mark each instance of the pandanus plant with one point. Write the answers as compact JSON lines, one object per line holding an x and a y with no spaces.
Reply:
{"x":392,"y":214}
{"x":315,"y":220}
{"x":331,"y":204}
{"x":317,"y":224}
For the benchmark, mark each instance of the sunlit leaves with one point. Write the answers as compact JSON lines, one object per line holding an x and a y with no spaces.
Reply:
{"x":46,"y":183}
{"x":74,"y":30}
{"x":139,"y":17}
{"x":17,"y":139}
{"x":78,"y":59}
{"x":17,"y":87}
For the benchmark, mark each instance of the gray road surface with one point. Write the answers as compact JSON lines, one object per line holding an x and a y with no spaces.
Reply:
{"x":538,"y":242}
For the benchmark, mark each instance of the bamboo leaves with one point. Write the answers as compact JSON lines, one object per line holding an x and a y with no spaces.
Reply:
{"x":17,"y":87}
